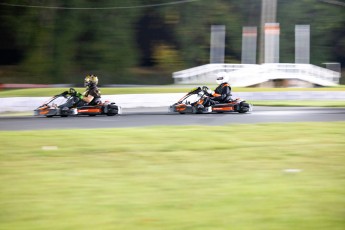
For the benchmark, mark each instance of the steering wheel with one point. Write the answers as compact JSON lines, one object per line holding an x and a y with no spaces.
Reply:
{"x":72,"y":91}
{"x":204,"y":88}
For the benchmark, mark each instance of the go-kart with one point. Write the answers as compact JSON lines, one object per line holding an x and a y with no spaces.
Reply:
{"x":57,"y":106}
{"x":190,"y":103}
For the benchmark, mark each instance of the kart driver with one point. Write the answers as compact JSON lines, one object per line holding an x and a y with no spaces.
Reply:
{"x":222,"y":94}
{"x":91,"y":96}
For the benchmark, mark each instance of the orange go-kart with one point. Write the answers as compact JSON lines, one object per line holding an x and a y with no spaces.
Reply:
{"x":190,"y":103}
{"x":63,"y":105}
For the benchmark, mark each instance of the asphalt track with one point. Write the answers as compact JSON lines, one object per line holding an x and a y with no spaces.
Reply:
{"x":140,"y":117}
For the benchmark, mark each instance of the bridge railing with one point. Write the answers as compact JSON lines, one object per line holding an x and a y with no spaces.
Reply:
{"x":250,"y":74}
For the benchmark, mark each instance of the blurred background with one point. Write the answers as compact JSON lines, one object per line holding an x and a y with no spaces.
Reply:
{"x":145,"y":41}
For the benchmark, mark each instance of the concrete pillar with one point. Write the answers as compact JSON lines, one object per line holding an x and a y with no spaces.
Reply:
{"x":217,"y":48}
{"x":272,"y":33}
{"x":302,"y":44}
{"x":268,"y":15}
{"x":249,"y":39}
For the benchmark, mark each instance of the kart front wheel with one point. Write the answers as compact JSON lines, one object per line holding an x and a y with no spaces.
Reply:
{"x":244,"y":107}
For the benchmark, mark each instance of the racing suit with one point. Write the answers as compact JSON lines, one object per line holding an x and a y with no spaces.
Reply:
{"x":76,"y":101}
{"x":222,"y":94}
{"x":95,"y":92}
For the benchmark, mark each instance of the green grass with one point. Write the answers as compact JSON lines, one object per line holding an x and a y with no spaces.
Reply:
{"x":40,"y":92}
{"x":105,"y":91}
{"x":230,"y":177}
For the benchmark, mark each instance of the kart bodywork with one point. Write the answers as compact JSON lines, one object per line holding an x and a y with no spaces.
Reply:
{"x":189,"y":104}
{"x":54,"y":107}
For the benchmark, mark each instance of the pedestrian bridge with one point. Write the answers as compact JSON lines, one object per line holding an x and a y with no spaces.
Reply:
{"x":243,"y":75}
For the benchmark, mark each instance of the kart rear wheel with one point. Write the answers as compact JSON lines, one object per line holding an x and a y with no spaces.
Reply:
{"x":111,"y":109}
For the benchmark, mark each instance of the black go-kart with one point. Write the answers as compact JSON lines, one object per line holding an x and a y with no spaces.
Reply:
{"x":56,"y":106}
{"x":190,"y":103}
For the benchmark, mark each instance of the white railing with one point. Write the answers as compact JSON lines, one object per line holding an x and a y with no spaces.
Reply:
{"x":250,"y":74}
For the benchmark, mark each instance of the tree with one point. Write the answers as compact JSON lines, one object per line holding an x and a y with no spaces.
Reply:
{"x":192,"y":25}
{"x":326,"y":23}
{"x":60,"y":45}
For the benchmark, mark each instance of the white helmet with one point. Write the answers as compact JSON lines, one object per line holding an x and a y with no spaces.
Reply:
{"x":222,"y":77}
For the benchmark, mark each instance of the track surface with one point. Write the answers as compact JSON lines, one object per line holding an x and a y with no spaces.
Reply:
{"x":159,"y":116}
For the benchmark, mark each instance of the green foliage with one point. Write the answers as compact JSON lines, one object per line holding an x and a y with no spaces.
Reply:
{"x":325,"y":22}
{"x":167,"y":58}
{"x":61,"y":45}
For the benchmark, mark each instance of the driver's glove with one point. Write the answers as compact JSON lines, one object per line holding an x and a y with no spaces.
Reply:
{"x":207,"y":90}
{"x":77,"y":94}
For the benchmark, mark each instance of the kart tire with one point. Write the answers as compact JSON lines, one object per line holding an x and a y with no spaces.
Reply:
{"x":111,"y":109}
{"x":199,"y":109}
{"x":244,"y":107}
{"x":64,"y":112}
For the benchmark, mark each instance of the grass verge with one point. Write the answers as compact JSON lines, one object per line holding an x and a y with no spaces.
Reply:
{"x":46,"y":92}
{"x":264,"y":176}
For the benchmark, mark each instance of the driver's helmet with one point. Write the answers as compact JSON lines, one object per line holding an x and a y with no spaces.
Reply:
{"x":91,"y":80}
{"x":222,"y":77}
